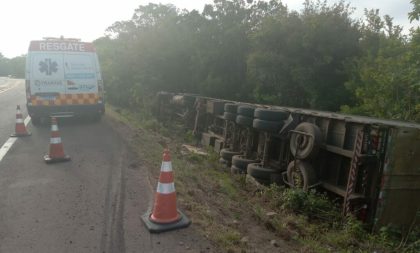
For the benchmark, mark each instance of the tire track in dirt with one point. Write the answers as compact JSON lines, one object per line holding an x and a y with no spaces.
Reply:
{"x":112,"y":239}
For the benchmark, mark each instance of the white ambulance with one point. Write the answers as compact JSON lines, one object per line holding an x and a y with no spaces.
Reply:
{"x":63,"y":79}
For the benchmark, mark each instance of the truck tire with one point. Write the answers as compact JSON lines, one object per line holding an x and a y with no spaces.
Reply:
{"x":257,"y":171}
{"x":223,"y":161}
{"x":271,"y":115}
{"x":227,"y":154}
{"x":229,"y":116}
{"x":235,"y":170}
{"x":247,"y":111}
{"x":303,"y":146}
{"x":241,"y":162}
{"x":269,"y":126}
{"x":232,"y":108}
{"x":301,"y":175}
{"x":244,"y":121}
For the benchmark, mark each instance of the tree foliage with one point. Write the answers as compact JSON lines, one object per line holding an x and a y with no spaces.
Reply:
{"x":319,"y":57}
{"x":13,"y":67}
{"x":298,"y":57}
{"x":385,"y":80}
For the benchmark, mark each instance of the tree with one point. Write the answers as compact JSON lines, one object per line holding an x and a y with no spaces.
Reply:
{"x":260,"y":51}
{"x":415,"y":13}
{"x":385,"y":80}
{"x":4,"y":65}
{"x":14,"y":67}
{"x":298,"y":59}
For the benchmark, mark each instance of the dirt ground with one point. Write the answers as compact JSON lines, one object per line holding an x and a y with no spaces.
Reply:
{"x":137,"y":199}
{"x":223,"y":218}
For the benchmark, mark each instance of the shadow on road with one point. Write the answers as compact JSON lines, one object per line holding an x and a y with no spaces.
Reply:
{"x":69,"y":121}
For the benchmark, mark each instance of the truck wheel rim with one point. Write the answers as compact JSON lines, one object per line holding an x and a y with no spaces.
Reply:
{"x":297,"y":178}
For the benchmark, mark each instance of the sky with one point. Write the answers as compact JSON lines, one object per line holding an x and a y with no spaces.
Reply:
{"x":24,"y":20}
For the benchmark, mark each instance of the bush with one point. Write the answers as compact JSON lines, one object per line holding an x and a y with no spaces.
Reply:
{"x":311,"y":204}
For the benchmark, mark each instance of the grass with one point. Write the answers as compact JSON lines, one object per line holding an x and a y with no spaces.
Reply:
{"x":320,"y":228}
{"x":199,"y":186}
{"x":218,"y":202}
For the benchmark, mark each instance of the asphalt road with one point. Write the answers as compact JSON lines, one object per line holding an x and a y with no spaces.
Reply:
{"x":12,"y":93}
{"x":91,"y":204}
{"x":61,"y":207}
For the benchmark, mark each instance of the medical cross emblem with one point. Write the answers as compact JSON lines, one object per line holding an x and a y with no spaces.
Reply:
{"x":48,"y":66}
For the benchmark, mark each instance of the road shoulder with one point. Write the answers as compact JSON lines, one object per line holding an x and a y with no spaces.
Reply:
{"x":140,"y":173}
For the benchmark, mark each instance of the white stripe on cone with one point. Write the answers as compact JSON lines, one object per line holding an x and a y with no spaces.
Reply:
{"x":19,"y":121}
{"x":55,"y":140}
{"x":54,"y":128}
{"x":165,"y":188}
{"x":166,"y":167}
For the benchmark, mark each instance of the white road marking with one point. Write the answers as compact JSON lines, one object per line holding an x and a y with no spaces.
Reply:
{"x":8,"y":88}
{"x":9,"y":143}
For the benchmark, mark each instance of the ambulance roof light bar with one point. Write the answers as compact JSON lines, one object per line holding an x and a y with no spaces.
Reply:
{"x":61,"y":38}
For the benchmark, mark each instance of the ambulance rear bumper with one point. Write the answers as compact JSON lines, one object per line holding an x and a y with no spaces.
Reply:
{"x":40,"y":111}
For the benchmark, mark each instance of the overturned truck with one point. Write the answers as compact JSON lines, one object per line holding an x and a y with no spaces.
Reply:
{"x":371,"y":165}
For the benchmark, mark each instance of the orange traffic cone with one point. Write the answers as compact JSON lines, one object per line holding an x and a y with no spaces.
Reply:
{"x":20,"y":128}
{"x":165,"y":216}
{"x":56,"y":153}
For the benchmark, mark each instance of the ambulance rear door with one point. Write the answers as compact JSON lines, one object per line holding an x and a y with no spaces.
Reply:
{"x":46,"y":77}
{"x":81,"y":77}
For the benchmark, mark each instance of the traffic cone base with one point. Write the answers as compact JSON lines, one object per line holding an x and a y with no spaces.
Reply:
{"x":56,"y":153}
{"x":49,"y":159}
{"x":155,"y":227}
{"x":21,"y":135}
{"x":164,"y":215}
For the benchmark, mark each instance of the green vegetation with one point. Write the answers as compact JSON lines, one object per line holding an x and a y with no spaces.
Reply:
{"x":314,"y":221}
{"x":224,"y":207}
{"x":14,"y":67}
{"x":260,"y":51}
